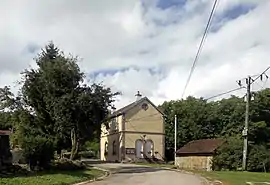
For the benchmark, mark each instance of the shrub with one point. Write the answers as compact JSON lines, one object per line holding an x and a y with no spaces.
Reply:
{"x":86,"y":154}
{"x":38,"y":151}
{"x":14,"y":169}
{"x":258,"y":158}
{"x":230,"y":155}
{"x":66,"y":164}
{"x":81,"y":154}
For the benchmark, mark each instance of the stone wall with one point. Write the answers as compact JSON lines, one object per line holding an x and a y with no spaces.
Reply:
{"x":194,"y":162}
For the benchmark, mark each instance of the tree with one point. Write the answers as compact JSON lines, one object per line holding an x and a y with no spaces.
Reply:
{"x":64,"y":108}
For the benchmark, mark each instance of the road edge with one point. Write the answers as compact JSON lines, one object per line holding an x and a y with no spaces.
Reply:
{"x":204,"y":180}
{"x":106,"y":175}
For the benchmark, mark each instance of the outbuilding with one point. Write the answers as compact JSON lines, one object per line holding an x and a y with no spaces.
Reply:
{"x":198,"y":154}
{"x":5,"y":154}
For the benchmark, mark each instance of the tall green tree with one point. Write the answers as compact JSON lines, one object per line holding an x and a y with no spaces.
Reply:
{"x":64,"y":108}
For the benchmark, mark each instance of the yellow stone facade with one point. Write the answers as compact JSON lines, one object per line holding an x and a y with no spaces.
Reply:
{"x":134,"y":134}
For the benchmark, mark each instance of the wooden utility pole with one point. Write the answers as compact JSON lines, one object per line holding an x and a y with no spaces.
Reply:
{"x":245,"y":131}
{"x":175,"y":138}
{"x":249,"y":81}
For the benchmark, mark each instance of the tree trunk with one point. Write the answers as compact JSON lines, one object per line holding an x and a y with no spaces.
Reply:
{"x":74,"y":144}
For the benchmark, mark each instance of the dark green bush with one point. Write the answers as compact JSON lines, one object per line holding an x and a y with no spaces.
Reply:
{"x":230,"y":155}
{"x":12,"y":170}
{"x":82,"y":154}
{"x":86,"y":154}
{"x":258,"y":158}
{"x":66,"y":164}
{"x":38,"y":151}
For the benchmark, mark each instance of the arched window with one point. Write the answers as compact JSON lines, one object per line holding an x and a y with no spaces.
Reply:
{"x":114,"y":148}
{"x":138,"y":148}
{"x":106,"y":148}
{"x":149,"y":148}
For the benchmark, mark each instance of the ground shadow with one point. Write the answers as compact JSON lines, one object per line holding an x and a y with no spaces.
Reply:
{"x":92,"y":162}
{"x":137,"y":169}
{"x":23,"y":173}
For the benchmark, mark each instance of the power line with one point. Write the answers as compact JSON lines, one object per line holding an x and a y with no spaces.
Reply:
{"x":260,"y":76}
{"x":200,"y":47}
{"x":249,"y":81}
{"x":227,"y":92}
{"x":240,"y":83}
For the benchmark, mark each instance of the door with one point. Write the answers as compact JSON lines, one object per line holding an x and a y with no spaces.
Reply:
{"x":149,"y":148}
{"x":138,"y":148}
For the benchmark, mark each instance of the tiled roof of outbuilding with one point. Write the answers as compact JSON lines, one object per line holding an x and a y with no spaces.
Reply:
{"x":5,"y":132}
{"x":203,"y":146}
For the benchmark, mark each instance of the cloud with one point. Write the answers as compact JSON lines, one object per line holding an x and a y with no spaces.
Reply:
{"x":141,"y":45}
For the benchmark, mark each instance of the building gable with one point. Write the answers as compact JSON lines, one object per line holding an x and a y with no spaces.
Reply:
{"x":144,"y":117}
{"x":132,"y":105}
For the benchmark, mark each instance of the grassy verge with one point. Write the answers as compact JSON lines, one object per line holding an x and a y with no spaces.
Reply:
{"x":237,"y":178}
{"x":227,"y":177}
{"x":53,"y":177}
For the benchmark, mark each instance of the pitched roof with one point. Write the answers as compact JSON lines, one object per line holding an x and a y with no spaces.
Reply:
{"x":133,"y":104}
{"x":5,"y":132}
{"x":203,"y":146}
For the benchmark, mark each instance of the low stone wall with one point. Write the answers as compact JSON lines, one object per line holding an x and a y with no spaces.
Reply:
{"x":194,"y":162}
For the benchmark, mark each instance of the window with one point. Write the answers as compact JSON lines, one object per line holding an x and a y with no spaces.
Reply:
{"x":144,"y":106}
{"x":114,"y":125}
{"x":138,"y":148}
{"x":106,"y":148}
{"x":149,"y":148}
{"x":114,"y":148}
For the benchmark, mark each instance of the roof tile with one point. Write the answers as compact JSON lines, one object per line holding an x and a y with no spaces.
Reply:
{"x":203,"y":146}
{"x":5,"y":132}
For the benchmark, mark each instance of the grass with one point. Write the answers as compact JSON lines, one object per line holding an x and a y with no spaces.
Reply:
{"x":227,"y":177}
{"x":53,"y":177}
{"x":237,"y":178}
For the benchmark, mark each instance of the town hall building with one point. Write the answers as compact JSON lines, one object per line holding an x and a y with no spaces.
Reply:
{"x":135,"y":132}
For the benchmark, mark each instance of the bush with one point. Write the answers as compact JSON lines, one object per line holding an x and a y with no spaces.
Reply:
{"x":66,"y":164}
{"x":230,"y":155}
{"x":86,"y":154}
{"x":12,"y":170}
{"x":258,"y":158}
{"x":38,"y":151}
{"x":82,"y":154}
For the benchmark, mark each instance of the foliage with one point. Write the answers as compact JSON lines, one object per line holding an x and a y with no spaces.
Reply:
{"x":38,"y":151}
{"x":65,"y":164}
{"x":199,"y":119}
{"x":229,"y":155}
{"x":64,"y":108}
{"x":259,"y":158}
{"x":54,"y":109}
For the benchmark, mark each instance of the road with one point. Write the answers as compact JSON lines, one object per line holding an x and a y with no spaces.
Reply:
{"x":130,"y":174}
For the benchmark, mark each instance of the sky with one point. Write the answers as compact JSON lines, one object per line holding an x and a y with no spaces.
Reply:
{"x":141,"y":45}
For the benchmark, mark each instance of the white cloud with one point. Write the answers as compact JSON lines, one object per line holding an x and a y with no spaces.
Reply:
{"x":120,"y":33}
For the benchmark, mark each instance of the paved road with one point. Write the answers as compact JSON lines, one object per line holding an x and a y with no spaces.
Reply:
{"x":130,"y":174}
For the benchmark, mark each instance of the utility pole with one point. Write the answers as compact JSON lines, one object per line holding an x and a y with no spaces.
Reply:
{"x":249,"y":81}
{"x":245,"y":131}
{"x":175,"y":138}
